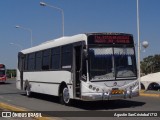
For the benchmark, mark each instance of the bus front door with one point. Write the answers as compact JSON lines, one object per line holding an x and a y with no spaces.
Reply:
{"x":77,"y":69}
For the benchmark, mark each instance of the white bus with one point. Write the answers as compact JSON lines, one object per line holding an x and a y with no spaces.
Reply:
{"x":90,"y":67}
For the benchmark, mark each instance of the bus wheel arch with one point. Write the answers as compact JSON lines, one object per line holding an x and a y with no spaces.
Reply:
{"x":27,"y":88}
{"x":64,"y":94}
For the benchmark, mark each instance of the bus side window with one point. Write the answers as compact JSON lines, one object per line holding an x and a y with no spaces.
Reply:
{"x":38,"y":64}
{"x":46,"y":59}
{"x":55,"y":58}
{"x":31,"y":61}
{"x":66,"y":57}
{"x":25,"y":62}
{"x":20,"y":61}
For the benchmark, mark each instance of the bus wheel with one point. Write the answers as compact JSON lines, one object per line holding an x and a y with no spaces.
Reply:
{"x":28,"y":93}
{"x":64,"y":96}
{"x":28,"y":90}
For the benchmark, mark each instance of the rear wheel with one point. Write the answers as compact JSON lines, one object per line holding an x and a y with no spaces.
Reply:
{"x":64,"y":96}
{"x":28,"y":89}
{"x":28,"y":92}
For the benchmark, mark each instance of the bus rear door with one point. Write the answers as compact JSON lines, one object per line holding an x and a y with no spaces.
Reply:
{"x":20,"y":67}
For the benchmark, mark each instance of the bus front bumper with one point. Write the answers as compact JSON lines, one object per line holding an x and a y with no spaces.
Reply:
{"x":105,"y":96}
{"x":2,"y":80}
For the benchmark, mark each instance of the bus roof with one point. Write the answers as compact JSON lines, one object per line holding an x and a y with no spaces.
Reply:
{"x":56,"y":42}
{"x":66,"y":40}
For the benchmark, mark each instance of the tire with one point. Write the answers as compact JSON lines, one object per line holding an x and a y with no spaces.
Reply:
{"x":64,"y":96}
{"x":28,"y":90}
{"x":28,"y":93}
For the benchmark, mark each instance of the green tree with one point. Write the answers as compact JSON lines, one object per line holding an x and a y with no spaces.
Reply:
{"x":11,"y":73}
{"x":150,"y":64}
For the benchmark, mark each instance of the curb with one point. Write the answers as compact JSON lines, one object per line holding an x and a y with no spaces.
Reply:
{"x":149,"y":95}
{"x":15,"y":108}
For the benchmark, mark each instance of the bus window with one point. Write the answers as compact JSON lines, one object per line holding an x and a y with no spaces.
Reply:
{"x":45,"y":59}
{"x":101,"y":63}
{"x":66,"y":56}
{"x":31,"y":61}
{"x":38,"y":65}
{"x":124,"y":62}
{"x":55,"y":58}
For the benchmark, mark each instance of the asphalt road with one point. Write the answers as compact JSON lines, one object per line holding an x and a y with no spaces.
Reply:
{"x":39,"y":102}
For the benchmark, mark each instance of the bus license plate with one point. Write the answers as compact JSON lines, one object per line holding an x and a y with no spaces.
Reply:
{"x":113,"y":92}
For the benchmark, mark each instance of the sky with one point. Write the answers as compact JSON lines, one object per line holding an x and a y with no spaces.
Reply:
{"x":80,"y":16}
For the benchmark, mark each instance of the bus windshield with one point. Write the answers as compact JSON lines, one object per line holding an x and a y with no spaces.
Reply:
{"x":110,"y":63}
{"x":2,"y":73}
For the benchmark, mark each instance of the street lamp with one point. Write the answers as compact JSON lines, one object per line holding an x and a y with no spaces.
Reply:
{"x":27,"y":29}
{"x":61,"y":10}
{"x":18,"y":45}
{"x":144,"y":44}
{"x":139,"y":69}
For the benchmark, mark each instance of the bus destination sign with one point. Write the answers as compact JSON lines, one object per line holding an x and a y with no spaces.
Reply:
{"x":110,"y":39}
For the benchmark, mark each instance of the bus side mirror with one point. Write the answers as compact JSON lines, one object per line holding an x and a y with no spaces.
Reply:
{"x":84,"y":77}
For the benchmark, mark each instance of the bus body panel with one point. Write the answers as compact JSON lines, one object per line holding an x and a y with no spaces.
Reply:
{"x":47,"y":79}
{"x":51,"y":83}
{"x":107,"y":90}
{"x":56,"y":43}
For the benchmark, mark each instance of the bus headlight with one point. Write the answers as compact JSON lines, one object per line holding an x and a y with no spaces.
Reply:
{"x":90,"y":86}
{"x":97,"y":89}
{"x":94,"y":88}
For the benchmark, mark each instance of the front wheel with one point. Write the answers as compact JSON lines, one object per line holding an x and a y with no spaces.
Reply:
{"x":64,"y":96}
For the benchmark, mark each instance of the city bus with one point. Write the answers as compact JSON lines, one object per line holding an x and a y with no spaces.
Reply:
{"x":2,"y":73}
{"x":88,"y":67}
